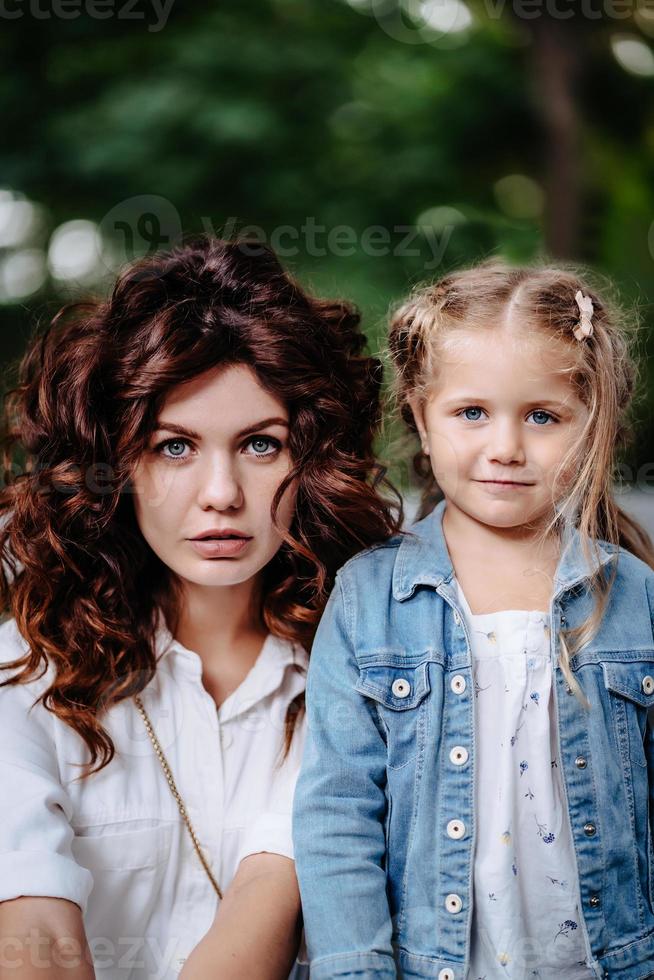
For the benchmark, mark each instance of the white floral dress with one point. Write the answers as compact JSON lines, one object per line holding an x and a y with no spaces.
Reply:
{"x":526,"y":919}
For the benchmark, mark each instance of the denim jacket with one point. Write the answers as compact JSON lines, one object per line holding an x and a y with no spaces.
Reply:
{"x":390,"y":758}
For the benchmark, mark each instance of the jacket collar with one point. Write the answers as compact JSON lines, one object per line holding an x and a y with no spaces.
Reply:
{"x":423,"y":558}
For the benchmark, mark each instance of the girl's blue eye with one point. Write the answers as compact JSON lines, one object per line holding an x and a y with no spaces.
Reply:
{"x":473,"y":408}
{"x":264,"y":446}
{"x":539,"y":411}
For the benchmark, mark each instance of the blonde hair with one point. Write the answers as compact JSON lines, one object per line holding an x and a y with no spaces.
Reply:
{"x":601,"y":368}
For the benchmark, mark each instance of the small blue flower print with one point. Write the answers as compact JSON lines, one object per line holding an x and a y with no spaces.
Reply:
{"x":531,"y":663}
{"x":565,"y":928}
{"x":541,"y":830}
{"x":524,"y":765}
{"x":535,"y":697}
{"x":491,"y":897}
{"x":514,"y":869}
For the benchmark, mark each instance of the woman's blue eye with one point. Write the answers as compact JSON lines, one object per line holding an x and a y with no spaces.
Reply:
{"x":264,"y":445}
{"x":173,"y":445}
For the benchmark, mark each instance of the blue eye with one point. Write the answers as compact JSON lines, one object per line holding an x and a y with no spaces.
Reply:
{"x":473,"y":408}
{"x":541,"y":412}
{"x":175,"y":445}
{"x":263,"y":446}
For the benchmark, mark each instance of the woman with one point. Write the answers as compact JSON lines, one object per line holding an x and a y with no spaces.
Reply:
{"x":198,"y":454}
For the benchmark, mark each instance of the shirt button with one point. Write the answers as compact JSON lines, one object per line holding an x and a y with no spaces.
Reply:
{"x":453,"y":904}
{"x":459,"y":755}
{"x":590,"y":829}
{"x":458,"y":683}
{"x":580,"y":762}
{"x":456,"y":829}
{"x":648,"y":684}
{"x":446,"y":974}
{"x":225,"y":738}
{"x":594,"y":901}
{"x":401,"y":688}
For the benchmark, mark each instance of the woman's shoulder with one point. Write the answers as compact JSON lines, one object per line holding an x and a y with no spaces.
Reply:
{"x":13,"y":646}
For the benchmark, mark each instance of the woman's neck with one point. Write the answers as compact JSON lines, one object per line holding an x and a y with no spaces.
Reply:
{"x":217,"y":623}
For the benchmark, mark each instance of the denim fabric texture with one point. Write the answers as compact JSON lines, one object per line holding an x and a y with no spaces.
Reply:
{"x":390,"y":757}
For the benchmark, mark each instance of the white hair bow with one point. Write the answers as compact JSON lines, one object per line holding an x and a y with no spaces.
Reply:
{"x":585,"y":326}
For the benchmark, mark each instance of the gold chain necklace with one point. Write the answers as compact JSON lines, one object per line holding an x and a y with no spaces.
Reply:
{"x":173,"y":789}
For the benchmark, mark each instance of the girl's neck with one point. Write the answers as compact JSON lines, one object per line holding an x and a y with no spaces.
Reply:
{"x":500,"y":568}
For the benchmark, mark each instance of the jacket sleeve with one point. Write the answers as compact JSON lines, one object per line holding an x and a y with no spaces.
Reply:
{"x":339,"y":810}
{"x":649,"y":734}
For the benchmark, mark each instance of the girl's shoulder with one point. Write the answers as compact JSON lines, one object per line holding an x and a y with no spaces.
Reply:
{"x":374,"y":558}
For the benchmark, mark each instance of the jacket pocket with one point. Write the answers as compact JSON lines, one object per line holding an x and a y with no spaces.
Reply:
{"x":400,"y":694}
{"x":630,"y":684}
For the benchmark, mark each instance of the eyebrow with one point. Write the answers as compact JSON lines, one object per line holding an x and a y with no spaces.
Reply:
{"x":161,"y":425}
{"x":475,"y":399}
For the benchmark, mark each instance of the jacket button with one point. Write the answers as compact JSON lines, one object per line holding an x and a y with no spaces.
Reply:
{"x":594,"y":901}
{"x":568,"y":689}
{"x":459,"y":755}
{"x":590,"y":829}
{"x":458,"y":683}
{"x":401,"y":688}
{"x":453,"y":904}
{"x":457,"y":618}
{"x":580,"y":762}
{"x":456,"y":829}
{"x":446,"y":974}
{"x":648,"y":684}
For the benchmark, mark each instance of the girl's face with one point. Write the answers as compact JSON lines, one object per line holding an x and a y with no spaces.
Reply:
{"x":497,"y":424}
{"x":219,"y":454}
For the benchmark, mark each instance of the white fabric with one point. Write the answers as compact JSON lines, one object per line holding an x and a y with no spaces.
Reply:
{"x":115,"y":843}
{"x":526,"y":919}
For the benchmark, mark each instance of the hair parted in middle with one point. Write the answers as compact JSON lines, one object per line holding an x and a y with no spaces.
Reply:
{"x":76,"y":573}
{"x":602,"y":367}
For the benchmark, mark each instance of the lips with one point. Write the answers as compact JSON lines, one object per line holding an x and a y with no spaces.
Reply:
{"x":220,"y":544}
{"x":225,"y":534}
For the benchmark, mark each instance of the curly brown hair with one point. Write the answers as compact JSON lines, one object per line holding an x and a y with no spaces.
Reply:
{"x":90,"y":387}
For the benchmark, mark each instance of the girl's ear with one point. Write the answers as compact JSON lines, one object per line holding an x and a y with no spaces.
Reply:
{"x":417,"y":410}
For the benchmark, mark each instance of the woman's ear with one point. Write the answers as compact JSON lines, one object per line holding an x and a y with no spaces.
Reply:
{"x":417,"y":410}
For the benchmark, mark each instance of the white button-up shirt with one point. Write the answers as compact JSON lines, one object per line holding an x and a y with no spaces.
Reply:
{"x":114,"y":842}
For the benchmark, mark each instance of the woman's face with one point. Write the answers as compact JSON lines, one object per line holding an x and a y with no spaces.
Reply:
{"x":218,"y":455}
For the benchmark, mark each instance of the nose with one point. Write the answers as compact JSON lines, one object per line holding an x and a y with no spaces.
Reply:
{"x":505,"y":443}
{"x":219,"y":485}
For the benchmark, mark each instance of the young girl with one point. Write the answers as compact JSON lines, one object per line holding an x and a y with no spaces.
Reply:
{"x":477,"y":795}
{"x":194,"y":456}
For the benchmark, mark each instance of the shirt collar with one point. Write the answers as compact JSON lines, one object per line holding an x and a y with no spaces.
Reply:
{"x":264,"y":677}
{"x":423,"y":558}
